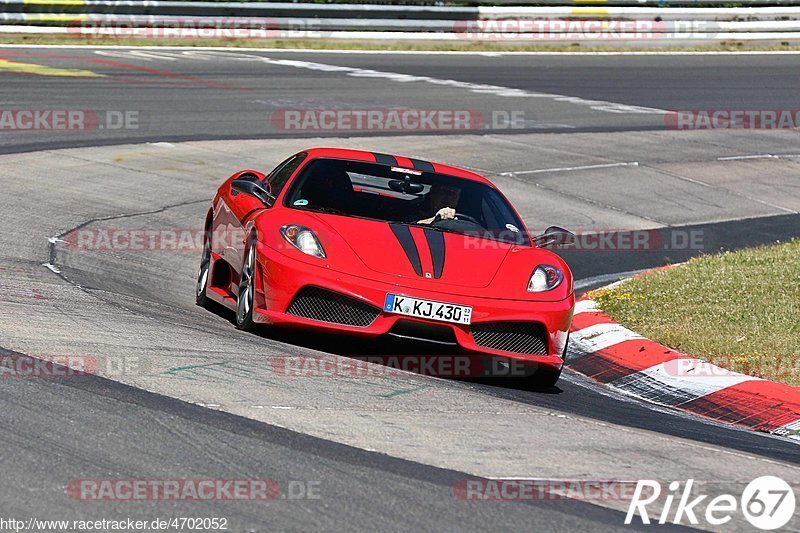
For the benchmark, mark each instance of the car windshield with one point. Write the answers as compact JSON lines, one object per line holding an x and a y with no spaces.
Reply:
{"x":406,"y":196}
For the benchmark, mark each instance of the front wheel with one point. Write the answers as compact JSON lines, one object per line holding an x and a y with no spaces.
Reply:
{"x":244,"y":307}
{"x":202,"y":275}
{"x":546,"y":378}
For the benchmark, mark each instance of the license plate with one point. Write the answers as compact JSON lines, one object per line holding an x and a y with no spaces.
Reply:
{"x":404,"y":305}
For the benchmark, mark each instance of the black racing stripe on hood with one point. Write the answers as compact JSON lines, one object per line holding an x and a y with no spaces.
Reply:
{"x":436,"y":246}
{"x":422,"y":165}
{"x":385,"y":159}
{"x":403,"y":234}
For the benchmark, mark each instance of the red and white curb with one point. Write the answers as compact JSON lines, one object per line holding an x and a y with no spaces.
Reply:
{"x":614,"y":355}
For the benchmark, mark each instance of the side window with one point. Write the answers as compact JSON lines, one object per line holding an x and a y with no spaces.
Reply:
{"x":278,"y":178}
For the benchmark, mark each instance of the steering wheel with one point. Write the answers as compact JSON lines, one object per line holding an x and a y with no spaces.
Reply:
{"x":459,"y":217}
{"x":467,"y":218}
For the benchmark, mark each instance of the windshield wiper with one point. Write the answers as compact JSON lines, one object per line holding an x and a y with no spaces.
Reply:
{"x":330,"y":210}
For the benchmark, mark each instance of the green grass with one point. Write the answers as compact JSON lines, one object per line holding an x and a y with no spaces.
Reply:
{"x":739,"y":310}
{"x":337,"y":44}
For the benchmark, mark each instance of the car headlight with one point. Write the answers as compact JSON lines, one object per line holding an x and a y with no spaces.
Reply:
{"x":303,"y":239}
{"x":545,"y":278}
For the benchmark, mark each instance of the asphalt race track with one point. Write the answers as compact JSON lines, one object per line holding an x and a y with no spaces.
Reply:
{"x":181,"y":394}
{"x":233,"y":93}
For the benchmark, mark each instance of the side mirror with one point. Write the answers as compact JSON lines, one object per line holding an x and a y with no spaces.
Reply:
{"x":247,"y":185}
{"x":554,"y":236}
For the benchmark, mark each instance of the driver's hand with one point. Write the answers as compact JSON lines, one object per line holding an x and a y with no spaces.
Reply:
{"x":446,"y":213}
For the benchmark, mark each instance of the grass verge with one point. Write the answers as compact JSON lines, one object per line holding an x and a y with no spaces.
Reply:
{"x":337,"y":44}
{"x":739,"y":310}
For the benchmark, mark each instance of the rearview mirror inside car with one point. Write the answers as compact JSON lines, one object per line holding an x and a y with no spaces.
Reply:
{"x":406,"y":186}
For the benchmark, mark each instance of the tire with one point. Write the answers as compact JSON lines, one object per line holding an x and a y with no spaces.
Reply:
{"x":546,"y":378}
{"x":244,"y":302}
{"x":203,"y":274}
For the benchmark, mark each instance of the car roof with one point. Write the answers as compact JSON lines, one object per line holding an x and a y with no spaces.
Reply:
{"x":396,"y":160}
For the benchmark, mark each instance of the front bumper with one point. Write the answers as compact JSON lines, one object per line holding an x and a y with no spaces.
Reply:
{"x":282,"y":277}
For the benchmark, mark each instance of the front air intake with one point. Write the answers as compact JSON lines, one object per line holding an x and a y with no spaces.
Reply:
{"x":516,"y":337}
{"x":323,"y":305}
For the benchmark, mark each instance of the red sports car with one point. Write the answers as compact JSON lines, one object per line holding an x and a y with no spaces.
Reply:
{"x":372,"y":244}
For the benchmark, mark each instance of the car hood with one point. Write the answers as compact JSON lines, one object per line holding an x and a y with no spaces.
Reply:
{"x":422,"y":254}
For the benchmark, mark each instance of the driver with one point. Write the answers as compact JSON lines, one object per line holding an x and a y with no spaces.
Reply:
{"x":439,"y":201}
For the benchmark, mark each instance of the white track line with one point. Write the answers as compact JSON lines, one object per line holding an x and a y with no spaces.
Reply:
{"x":744,"y":157}
{"x":570,"y":169}
{"x":758,"y":156}
{"x":481,"y":88}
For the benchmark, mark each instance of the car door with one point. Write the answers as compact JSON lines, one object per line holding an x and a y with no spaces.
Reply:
{"x":240,"y":208}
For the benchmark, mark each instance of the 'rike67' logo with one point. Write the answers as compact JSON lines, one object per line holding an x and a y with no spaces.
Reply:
{"x":767,"y":502}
